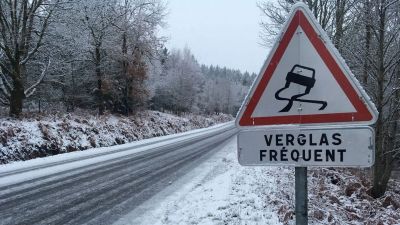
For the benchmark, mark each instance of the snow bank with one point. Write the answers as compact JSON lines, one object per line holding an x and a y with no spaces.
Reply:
{"x":51,"y":135}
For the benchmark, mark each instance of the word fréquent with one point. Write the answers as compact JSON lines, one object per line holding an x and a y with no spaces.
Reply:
{"x":321,"y":147}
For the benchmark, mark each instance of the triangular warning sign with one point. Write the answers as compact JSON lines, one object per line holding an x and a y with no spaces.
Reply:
{"x":305,"y":81}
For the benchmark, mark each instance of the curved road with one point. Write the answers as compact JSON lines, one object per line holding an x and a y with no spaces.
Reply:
{"x":101,"y":194}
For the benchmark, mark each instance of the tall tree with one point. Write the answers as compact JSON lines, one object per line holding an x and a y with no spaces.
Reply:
{"x":23,"y":26}
{"x":372,"y":50}
{"x":98,"y":17}
{"x":385,"y":65}
{"x":139,"y":44}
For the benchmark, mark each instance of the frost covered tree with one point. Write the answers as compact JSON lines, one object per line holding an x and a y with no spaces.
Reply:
{"x":183,"y":85}
{"x":101,"y":52}
{"x":226,"y":89}
{"x":334,"y":17}
{"x":140,"y":46}
{"x":377,"y":60}
{"x":23,"y":26}
{"x":97,"y":17}
{"x":183,"y":80}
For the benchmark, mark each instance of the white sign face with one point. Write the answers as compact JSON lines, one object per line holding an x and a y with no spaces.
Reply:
{"x":305,"y":81}
{"x":325,"y":94}
{"x":296,"y":146}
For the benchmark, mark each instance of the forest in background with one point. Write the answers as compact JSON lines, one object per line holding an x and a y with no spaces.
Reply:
{"x":60,"y":55}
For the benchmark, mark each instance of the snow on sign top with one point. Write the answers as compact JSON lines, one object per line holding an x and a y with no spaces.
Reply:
{"x":305,"y":81}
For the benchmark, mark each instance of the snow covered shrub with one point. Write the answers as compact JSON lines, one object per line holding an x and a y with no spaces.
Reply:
{"x":51,"y":135}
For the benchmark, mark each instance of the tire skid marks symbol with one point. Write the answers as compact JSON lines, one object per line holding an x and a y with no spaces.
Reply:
{"x":308,"y":82}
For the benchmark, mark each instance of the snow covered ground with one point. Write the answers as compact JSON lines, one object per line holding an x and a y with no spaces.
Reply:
{"x":41,"y":136}
{"x":220,"y":191}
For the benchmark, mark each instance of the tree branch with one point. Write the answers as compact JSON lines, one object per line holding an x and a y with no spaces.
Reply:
{"x":5,"y":82}
{"x":31,"y":90}
{"x":5,"y":102}
{"x":41,"y":35}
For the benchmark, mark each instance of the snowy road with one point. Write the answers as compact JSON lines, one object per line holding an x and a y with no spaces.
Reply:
{"x":101,"y":194}
{"x":217,"y":192}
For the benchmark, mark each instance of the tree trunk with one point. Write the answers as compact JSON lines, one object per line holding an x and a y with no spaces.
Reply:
{"x":17,"y":94}
{"x":378,"y":186}
{"x":100,"y":98}
{"x":383,"y":166}
{"x":17,"y":98}
{"x":74,"y":91}
{"x":339,"y":20}
{"x":367,"y":41}
{"x":126,"y":94}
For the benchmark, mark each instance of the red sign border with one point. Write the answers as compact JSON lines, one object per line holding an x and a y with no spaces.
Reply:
{"x":362,"y":113}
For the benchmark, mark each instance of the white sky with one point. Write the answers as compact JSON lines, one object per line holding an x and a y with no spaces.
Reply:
{"x":218,"y":32}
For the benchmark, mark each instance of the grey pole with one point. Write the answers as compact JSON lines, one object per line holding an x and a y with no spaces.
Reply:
{"x":301,"y":196}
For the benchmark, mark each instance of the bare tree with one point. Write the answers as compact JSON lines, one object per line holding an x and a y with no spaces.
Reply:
{"x":372,"y":49}
{"x":23,"y":26}
{"x":331,"y":14}
{"x":385,"y":63}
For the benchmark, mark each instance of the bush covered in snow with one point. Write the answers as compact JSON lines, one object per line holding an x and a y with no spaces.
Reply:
{"x":337,"y":196}
{"x":40,"y":136}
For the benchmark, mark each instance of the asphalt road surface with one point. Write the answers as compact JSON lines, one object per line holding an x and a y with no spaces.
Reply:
{"x":101,"y":194}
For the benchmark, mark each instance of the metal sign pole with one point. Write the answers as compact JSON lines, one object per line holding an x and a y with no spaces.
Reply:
{"x":301,"y":196}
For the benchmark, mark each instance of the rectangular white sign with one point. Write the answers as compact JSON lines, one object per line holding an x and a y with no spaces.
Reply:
{"x":319,"y":146}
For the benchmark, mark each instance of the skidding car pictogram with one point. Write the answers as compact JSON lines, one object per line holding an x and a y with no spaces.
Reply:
{"x":308,"y":82}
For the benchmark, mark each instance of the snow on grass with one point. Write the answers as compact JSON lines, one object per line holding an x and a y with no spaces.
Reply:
{"x":340,"y":196}
{"x":41,"y":136}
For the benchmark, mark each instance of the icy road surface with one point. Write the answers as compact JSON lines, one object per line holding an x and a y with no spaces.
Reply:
{"x":99,"y":192}
{"x":217,"y":192}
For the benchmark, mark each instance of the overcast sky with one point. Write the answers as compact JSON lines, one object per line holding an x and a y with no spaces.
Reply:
{"x":219,"y":32}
